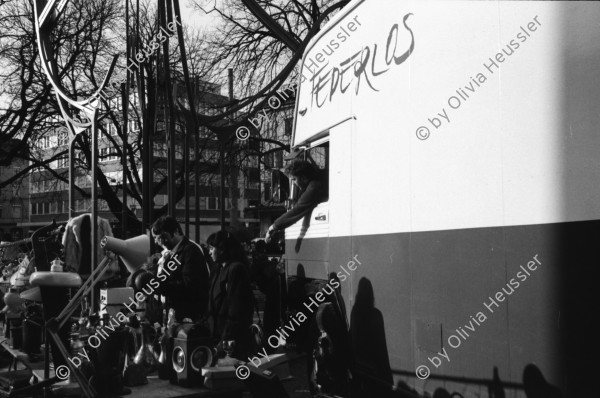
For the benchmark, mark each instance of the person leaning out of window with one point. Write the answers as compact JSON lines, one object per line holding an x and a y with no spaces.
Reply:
{"x":313,"y":184}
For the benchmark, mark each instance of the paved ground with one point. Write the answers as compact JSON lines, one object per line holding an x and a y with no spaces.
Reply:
{"x":297,"y":385}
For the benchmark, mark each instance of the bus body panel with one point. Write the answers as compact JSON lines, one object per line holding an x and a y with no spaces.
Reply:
{"x":457,"y":156}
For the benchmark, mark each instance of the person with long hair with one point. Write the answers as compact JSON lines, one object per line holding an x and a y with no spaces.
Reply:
{"x":230,"y":295}
{"x":314,"y":189}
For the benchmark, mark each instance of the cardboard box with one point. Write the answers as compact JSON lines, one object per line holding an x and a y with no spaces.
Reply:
{"x":112,"y":300}
{"x":224,"y":378}
{"x":113,"y":310}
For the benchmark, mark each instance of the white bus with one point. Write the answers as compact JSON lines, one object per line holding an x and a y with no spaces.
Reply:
{"x":462,"y":141}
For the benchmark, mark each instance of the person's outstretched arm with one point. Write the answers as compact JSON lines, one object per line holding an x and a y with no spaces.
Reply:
{"x":307,"y":201}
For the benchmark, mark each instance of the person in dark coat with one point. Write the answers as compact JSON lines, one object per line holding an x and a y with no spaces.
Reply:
{"x":314,"y":189}
{"x":231,"y":301}
{"x":187,"y":274}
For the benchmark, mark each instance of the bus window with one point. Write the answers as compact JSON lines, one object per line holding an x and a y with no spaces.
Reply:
{"x":318,"y":155}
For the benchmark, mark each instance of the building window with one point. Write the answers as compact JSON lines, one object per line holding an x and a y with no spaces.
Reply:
{"x":63,"y":163}
{"x":160,"y":149}
{"x":213,"y":203}
{"x":45,"y":142}
{"x":267,"y":191}
{"x":133,"y":127}
{"x":62,"y":138}
{"x":320,"y":155}
{"x":106,"y":155}
{"x":210,"y":155}
{"x":289,"y":124}
{"x":274,"y":160}
{"x":278,"y":160}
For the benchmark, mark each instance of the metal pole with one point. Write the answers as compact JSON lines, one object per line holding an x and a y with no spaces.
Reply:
{"x":125,"y":103}
{"x":222,"y":188}
{"x":94,"y":234}
{"x":171,"y":119}
{"x":71,"y":176}
{"x":146,"y":182}
{"x":186,"y":177}
{"x":125,"y":132}
{"x":197,"y":169}
{"x":260,"y":193}
{"x":194,"y":127}
{"x":233,"y":185}
{"x":222,"y":140}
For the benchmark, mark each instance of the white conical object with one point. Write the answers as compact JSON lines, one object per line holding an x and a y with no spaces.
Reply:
{"x":134,"y":252}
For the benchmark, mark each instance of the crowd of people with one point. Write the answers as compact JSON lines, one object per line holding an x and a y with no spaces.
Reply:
{"x":213,"y":283}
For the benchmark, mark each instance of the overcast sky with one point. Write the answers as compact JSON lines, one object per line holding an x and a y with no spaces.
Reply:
{"x":196,"y":18}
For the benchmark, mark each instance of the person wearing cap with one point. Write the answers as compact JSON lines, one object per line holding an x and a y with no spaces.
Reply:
{"x":314,"y":189}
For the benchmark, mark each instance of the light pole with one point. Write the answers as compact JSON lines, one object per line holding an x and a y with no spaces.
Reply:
{"x":46,"y":16}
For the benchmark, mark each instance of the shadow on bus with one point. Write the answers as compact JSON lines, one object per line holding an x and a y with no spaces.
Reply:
{"x":534,"y":385}
{"x":372,"y":372}
{"x":372,"y":375}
